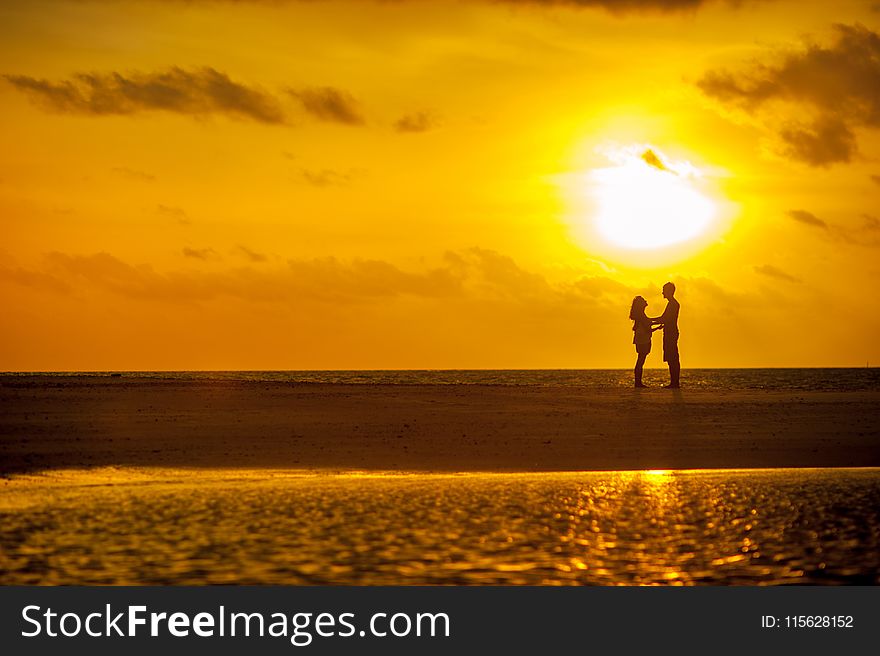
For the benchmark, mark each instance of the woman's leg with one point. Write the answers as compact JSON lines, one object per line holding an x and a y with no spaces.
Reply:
{"x":640,"y":364}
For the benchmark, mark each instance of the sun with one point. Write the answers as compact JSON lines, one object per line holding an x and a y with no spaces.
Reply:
{"x":647,"y":201}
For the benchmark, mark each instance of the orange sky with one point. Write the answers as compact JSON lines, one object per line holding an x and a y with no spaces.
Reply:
{"x":413,"y":184}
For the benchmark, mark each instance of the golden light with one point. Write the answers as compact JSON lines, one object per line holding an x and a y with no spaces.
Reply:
{"x":646,"y":201}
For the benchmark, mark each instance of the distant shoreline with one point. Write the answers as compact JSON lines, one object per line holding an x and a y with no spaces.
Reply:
{"x":658,"y":367}
{"x":62,"y":422}
{"x":779,"y":379}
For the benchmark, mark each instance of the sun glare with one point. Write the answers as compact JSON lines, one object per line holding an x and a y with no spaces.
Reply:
{"x":647,"y":201}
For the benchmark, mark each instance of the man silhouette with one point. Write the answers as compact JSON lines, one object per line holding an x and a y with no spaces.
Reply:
{"x":669,"y":320}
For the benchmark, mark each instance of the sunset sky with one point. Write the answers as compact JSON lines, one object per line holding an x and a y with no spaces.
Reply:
{"x":323,"y":184}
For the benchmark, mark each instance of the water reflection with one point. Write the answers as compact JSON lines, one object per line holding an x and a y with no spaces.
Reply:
{"x":637,"y":528}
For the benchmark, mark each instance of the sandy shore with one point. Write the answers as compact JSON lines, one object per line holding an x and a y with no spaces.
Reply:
{"x":48,"y":423}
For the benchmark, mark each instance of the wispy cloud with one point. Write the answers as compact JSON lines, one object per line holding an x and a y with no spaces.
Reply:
{"x":36,"y":280}
{"x":327,"y":177}
{"x":613,"y":6}
{"x":200,"y":253}
{"x":807,"y":218}
{"x":133,"y":174}
{"x":172,"y":212}
{"x":250,"y":255}
{"x":774,"y":272}
{"x":866,"y":234}
{"x":329,"y":104}
{"x":474,"y":273}
{"x":197,"y":92}
{"x":413,"y":123}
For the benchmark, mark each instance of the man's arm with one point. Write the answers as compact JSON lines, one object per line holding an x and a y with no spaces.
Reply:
{"x":663,"y":317}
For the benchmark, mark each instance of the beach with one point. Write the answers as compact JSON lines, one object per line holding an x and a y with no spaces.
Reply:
{"x":151,"y":479}
{"x":58,"y":422}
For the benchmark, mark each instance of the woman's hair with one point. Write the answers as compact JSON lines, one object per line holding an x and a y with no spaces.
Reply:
{"x":638,"y":308}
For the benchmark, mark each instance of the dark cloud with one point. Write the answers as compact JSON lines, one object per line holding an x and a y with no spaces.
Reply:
{"x":200,"y":253}
{"x":133,"y":174}
{"x":329,"y":104}
{"x":197,"y":92}
{"x":827,"y":141}
{"x":807,"y":218}
{"x":651,"y":159}
{"x":876,"y":178}
{"x":418,"y":122}
{"x":814,"y":97}
{"x":774,"y":272}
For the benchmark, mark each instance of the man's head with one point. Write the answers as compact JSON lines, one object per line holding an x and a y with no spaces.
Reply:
{"x":668,"y":290}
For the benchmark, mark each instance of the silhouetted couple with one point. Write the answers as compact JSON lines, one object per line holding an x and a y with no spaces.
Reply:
{"x":644,"y":326}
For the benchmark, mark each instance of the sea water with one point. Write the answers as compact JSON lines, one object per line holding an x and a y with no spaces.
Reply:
{"x":804,"y":379}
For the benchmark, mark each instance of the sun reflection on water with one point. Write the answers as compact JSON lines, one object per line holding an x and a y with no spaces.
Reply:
{"x":654,"y":527}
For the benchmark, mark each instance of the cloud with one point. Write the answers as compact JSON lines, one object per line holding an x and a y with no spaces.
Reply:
{"x":327,"y":177}
{"x":876,"y":178}
{"x":175,"y":213}
{"x":412,"y":123}
{"x":251,"y":256}
{"x":814,"y":97}
{"x":867,"y":234}
{"x":827,"y":141}
{"x":622,"y":6}
{"x":322,"y":280}
{"x":200,"y":253}
{"x":807,"y":218}
{"x":613,"y":6}
{"x":474,"y":275}
{"x":329,"y":104}
{"x":774,"y":272}
{"x":197,"y":92}
{"x":37,"y":280}
{"x":133,"y":174}
{"x":651,"y":159}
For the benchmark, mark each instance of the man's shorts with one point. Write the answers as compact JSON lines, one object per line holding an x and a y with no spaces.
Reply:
{"x":670,"y":347}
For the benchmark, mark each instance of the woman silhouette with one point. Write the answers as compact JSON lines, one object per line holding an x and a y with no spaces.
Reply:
{"x":642,"y":330}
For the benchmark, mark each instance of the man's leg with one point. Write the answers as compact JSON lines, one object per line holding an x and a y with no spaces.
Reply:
{"x":675,"y":373}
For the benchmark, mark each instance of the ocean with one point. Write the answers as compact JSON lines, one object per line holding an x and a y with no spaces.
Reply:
{"x":803,"y":379}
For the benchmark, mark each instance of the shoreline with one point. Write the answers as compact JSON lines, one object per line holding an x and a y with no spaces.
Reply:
{"x":64,"y":422}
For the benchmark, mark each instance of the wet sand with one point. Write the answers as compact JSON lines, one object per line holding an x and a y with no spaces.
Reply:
{"x":125,"y":526}
{"x":69,"y":422}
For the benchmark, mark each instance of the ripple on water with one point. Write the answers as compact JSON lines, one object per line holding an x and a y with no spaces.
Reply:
{"x":605,"y":528}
